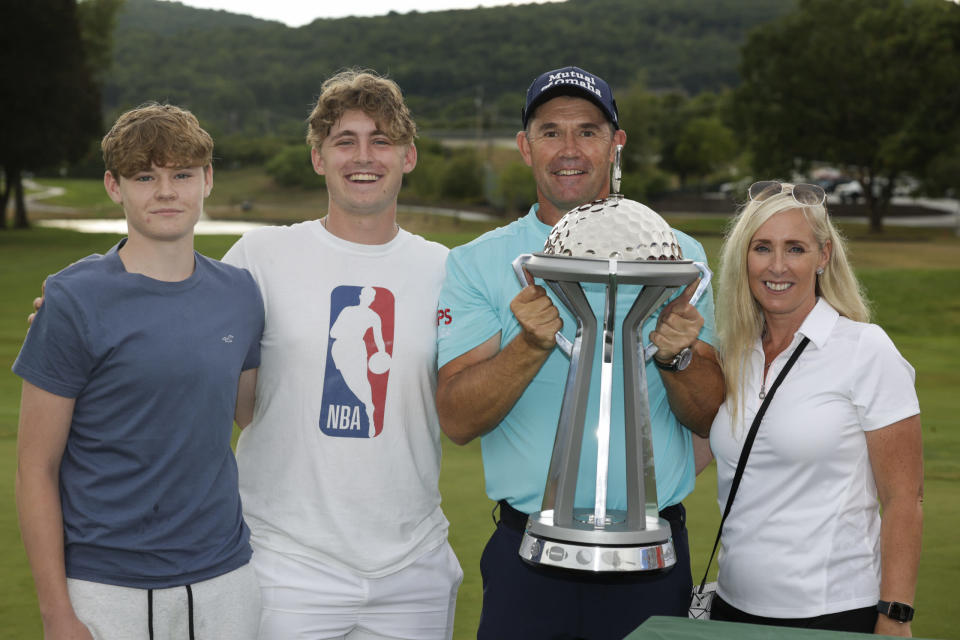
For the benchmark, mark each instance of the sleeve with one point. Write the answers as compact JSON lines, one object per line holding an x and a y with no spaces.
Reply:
{"x":252,"y":360}
{"x":237,"y":254}
{"x":883,"y":387}
{"x":466,"y":316}
{"x":56,"y":354}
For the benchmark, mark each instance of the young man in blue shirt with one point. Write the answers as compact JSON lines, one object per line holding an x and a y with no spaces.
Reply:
{"x":126,"y":481}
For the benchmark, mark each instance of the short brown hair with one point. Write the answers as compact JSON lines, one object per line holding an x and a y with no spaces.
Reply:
{"x":161,"y":134}
{"x":378,"y":97}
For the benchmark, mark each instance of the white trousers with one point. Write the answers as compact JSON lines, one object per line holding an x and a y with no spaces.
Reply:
{"x":223,"y":608}
{"x":305,"y":599}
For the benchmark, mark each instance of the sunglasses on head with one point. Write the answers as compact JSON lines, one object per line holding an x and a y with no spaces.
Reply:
{"x":807,"y":195}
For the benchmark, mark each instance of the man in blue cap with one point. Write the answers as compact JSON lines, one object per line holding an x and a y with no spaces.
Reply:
{"x":502,"y":379}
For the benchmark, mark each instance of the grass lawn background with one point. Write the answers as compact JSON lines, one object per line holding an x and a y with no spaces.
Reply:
{"x":912,"y":277}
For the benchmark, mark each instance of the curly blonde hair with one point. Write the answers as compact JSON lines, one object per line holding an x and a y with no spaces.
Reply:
{"x":739,"y":317}
{"x":162,"y":134}
{"x":378,"y":97}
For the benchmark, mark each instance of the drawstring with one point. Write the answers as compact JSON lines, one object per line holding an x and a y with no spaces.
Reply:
{"x":189,"y":612}
{"x":190,"y":609}
{"x":150,"y":612}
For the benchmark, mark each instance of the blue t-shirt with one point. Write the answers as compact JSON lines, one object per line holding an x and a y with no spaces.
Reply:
{"x":148,"y":481}
{"x":475,"y":306}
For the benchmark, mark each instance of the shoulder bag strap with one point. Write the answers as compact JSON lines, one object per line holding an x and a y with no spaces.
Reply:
{"x":747,"y":445}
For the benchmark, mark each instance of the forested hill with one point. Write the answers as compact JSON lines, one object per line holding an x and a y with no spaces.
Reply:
{"x":241,"y":74}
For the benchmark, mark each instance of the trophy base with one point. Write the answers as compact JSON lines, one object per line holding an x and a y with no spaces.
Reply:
{"x":582,"y":547}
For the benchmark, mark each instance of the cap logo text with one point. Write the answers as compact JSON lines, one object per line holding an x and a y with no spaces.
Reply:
{"x":572,"y":77}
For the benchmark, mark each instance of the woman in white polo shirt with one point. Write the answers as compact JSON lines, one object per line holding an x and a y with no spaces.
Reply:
{"x":804,"y":544}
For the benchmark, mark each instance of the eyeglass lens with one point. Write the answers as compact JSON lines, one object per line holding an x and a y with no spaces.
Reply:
{"x":764,"y":189}
{"x":805,"y":194}
{"x":810,"y":194}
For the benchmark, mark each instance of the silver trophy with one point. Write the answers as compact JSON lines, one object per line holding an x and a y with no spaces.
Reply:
{"x":615,"y":242}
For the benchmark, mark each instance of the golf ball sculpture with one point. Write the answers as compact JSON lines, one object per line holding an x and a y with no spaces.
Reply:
{"x":613,"y":242}
{"x":613,"y":228}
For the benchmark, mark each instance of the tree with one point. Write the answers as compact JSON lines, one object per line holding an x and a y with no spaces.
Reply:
{"x":705,"y":146}
{"x":98,"y":20}
{"x":227,"y":66}
{"x":694,"y":139}
{"x":49,"y":100}
{"x":640,"y":116}
{"x":870,"y":85}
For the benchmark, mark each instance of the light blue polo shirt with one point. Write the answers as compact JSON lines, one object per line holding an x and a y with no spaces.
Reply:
{"x":475,"y":306}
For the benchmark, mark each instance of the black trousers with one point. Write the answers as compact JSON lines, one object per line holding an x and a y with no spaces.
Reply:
{"x":526,"y":602}
{"x":857,"y":620}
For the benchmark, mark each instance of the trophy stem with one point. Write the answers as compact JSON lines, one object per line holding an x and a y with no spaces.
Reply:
{"x":606,"y":399}
{"x":641,"y":480}
{"x":561,"y":487}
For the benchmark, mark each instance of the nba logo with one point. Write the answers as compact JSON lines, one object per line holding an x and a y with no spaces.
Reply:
{"x":359,"y":355}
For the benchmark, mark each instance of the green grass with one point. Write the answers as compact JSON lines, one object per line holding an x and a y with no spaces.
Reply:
{"x":914,"y":284}
{"x":80,"y":193}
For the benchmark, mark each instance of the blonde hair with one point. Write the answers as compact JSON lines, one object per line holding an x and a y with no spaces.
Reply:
{"x":160,"y":134}
{"x":378,"y":97}
{"x":739,"y":317}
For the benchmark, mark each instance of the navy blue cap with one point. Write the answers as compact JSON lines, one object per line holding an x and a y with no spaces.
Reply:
{"x":571,"y":81}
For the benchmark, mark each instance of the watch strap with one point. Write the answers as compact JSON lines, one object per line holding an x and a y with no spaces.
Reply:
{"x":897,"y":611}
{"x":673,"y":364}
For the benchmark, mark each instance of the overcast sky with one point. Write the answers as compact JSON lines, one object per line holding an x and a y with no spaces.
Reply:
{"x":300,"y":12}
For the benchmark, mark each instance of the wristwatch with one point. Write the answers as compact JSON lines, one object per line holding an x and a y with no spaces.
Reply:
{"x":896,"y":610}
{"x":679,"y":362}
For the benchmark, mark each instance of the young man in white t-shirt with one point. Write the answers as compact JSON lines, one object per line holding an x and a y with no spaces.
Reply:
{"x":340,"y":454}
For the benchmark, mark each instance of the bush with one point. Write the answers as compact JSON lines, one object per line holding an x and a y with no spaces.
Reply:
{"x":645,"y":184}
{"x":242,"y":150}
{"x":516,"y":188}
{"x":424,"y":181}
{"x":291,"y":167}
{"x":462,"y":178}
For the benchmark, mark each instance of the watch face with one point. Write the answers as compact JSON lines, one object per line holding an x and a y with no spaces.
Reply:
{"x":900,"y":612}
{"x":683,"y":359}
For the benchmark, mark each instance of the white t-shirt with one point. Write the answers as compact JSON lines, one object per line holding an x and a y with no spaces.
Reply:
{"x":802,"y":538}
{"x":315,"y":479}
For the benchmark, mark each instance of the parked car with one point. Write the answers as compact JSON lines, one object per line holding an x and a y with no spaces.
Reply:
{"x":848,"y":192}
{"x":852,"y":191}
{"x":829,"y":184}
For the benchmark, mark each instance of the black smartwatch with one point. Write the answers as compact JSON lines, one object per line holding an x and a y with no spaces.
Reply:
{"x":896,"y":610}
{"x":679,"y":362}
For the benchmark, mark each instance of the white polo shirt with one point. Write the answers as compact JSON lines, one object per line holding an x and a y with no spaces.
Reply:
{"x":803,"y":536}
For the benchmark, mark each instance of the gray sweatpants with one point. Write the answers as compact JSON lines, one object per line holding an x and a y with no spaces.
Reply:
{"x":223,"y":608}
